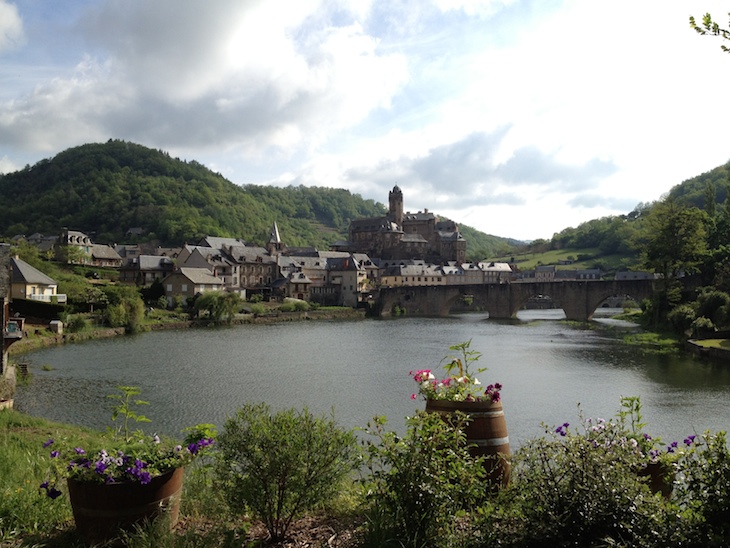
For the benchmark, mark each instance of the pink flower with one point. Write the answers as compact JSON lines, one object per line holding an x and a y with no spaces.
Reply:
{"x":413,"y":396}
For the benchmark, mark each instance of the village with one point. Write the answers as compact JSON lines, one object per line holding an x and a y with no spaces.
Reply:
{"x":398,"y":249}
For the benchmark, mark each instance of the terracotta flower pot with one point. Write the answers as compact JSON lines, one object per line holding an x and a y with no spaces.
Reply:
{"x":486,"y":433}
{"x":102,"y":511}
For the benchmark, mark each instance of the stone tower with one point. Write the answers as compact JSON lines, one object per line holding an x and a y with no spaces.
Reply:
{"x":395,"y":199}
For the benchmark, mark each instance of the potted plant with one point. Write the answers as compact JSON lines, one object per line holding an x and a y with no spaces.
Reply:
{"x":647,"y":456}
{"x":461,"y":391}
{"x":658,"y":460}
{"x":129,"y":478}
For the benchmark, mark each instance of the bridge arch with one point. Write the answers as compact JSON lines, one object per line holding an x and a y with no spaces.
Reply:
{"x":578,"y":299}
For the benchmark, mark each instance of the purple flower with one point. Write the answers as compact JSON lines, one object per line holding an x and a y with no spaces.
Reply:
{"x":689,"y":440}
{"x":193,"y":448}
{"x":44,"y":485}
{"x":53,"y":493}
{"x":49,"y":442}
{"x":101,"y":467}
{"x":80,"y":451}
{"x":54,"y":454}
{"x":144,"y":477}
{"x":562,"y":429}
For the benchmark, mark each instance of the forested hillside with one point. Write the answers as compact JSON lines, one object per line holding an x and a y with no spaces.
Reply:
{"x":106,"y":189}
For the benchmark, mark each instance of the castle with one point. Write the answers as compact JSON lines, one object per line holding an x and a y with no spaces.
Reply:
{"x":400,"y":235}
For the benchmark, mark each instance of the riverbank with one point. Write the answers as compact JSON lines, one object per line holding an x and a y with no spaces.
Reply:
{"x":39,"y":336}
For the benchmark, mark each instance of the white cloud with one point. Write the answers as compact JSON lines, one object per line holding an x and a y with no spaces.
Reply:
{"x":523,"y":117}
{"x":11,"y":27}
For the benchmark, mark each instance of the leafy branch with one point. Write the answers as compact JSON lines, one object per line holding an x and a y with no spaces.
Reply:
{"x":711,"y":28}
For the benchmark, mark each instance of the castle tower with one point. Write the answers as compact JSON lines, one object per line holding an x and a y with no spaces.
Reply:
{"x":395,"y":199}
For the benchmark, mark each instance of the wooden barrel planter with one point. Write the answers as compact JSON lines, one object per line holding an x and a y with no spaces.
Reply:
{"x":102,"y":511}
{"x":486,"y":433}
{"x":660,"y":478}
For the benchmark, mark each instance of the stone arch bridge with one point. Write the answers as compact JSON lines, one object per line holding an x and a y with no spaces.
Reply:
{"x":579,"y":299}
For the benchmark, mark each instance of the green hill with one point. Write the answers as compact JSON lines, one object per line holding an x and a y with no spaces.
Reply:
{"x":106,"y":189}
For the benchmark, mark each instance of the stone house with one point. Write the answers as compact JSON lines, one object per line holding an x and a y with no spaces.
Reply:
{"x":496,"y":273}
{"x":188,"y":282}
{"x":295,"y":285}
{"x":143,"y":270}
{"x":411,"y":273}
{"x":105,"y":256}
{"x":73,"y":246}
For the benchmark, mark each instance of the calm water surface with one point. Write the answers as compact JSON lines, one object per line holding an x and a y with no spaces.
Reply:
{"x":360,"y":369}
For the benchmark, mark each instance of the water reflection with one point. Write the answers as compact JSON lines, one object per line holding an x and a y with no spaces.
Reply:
{"x":360,"y":369}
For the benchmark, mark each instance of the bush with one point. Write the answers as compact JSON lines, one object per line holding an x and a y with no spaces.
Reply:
{"x":704,"y":490}
{"x":76,"y":324}
{"x":681,"y":318}
{"x":283,"y":464}
{"x":258,"y":309}
{"x":579,"y":489}
{"x":419,"y":483}
{"x":702,"y":327}
{"x":713,"y":304}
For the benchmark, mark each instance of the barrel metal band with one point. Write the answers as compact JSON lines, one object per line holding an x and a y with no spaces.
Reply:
{"x":492,"y":442}
{"x":486,"y":414}
{"x":161,"y":504}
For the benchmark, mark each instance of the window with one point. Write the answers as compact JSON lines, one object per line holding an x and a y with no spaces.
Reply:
{"x":169,"y":288}
{"x":184,"y":288}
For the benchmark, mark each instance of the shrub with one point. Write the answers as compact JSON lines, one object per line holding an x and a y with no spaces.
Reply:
{"x":578,"y":489}
{"x":702,"y":326}
{"x":713,"y":304}
{"x":681,"y":318}
{"x":419,"y":483}
{"x":283,"y":464}
{"x":258,"y":309}
{"x":704,"y":490}
{"x":76,"y":323}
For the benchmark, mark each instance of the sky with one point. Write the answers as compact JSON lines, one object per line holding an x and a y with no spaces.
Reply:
{"x":519,"y":118}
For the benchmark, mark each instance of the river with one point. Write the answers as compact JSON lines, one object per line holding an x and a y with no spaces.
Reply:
{"x":359,"y":369}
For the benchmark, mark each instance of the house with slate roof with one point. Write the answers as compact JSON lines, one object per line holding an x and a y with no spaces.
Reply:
{"x":29,"y":283}
{"x":188,"y":282}
{"x":143,"y":270}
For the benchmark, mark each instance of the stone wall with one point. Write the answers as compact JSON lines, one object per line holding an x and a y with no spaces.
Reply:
{"x":4,"y":296}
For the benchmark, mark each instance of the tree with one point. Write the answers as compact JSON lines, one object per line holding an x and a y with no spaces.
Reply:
{"x":220,"y":305}
{"x":711,"y":28}
{"x":674,"y":238}
{"x":674,"y":243}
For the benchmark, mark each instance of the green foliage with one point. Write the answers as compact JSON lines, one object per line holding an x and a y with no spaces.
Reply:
{"x":578,"y":488}
{"x":126,"y":408}
{"x":713,"y":304}
{"x":418,"y":484}
{"x":108,"y":188}
{"x":221,"y":306}
{"x":711,"y":28}
{"x":294,"y":305}
{"x":705,"y":491}
{"x":681,"y":318}
{"x":258,"y":309}
{"x":280,"y":465}
{"x":76,"y":324}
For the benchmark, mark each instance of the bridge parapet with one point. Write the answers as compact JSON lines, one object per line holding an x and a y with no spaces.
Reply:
{"x":579,"y":299}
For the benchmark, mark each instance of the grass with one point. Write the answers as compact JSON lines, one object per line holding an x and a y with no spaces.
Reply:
{"x":723,"y":344}
{"x":29,"y":518}
{"x":585,"y":258}
{"x":654,"y":342}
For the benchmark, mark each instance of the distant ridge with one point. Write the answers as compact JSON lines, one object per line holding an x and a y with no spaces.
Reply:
{"x":106,"y":189}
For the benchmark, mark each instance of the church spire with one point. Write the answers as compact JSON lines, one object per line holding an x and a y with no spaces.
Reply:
{"x":275,"y":244}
